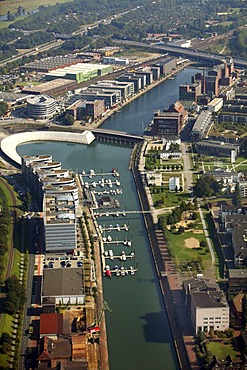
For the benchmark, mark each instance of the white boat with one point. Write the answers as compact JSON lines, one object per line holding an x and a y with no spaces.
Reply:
{"x":83,"y":172}
{"x":107,"y":214}
{"x":129,"y":243}
{"x":125,"y":242}
{"x":86,"y":185}
{"x":117,"y":183}
{"x":126,"y":228}
{"x":105,"y":253}
{"x":104,"y":239}
{"x":94,"y":184}
{"x":91,"y":173}
{"x":132,"y":254}
{"x":116,"y":267}
{"x":117,"y":214}
{"x":117,"y":272}
{"x":123,"y":213}
{"x":110,"y":227}
{"x":122,"y":271}
{"x":123,"y":256}
{"x":109,"y":238}
{"x":111,"y":253}
{"x":132,"y":271}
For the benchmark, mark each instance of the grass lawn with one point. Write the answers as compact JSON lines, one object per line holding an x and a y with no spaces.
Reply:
{"x":221,"y":350}
{"x":6,"y":326}
{"x":12,"y":5}
{"x":170,"y":199}
{"x":181,"y":253}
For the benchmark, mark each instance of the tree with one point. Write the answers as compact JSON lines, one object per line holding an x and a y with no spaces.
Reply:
{"x":27,"y":202}
{"x":203,"y":244}
{"x":68,"y":120}
{"x":3,"y":108}
{"x":236,"y":199}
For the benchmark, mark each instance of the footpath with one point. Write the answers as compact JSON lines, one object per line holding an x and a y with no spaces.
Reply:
{"x":169,"y":278}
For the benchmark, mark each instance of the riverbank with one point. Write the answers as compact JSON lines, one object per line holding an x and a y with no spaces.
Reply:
{"x":111,"y":112}
{"x":169,"y":282}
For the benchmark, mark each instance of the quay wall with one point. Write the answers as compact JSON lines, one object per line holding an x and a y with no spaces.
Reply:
{"x":179,"y":344}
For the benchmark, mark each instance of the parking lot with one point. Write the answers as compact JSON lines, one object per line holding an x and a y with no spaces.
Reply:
{"x":62,"y":261}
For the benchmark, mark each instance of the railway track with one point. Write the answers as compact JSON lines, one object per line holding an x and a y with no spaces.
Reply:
{"x":13,"y":220}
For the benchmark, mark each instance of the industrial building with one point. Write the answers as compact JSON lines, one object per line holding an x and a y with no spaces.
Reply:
{"x":50,"y":63}
{"x":80,"y":72}
{"x":51,"y":87}
{"x":110,"y":98}
{"x":41,"y":107}
{"x":117,"y":61}
{"x":216,"y":148}
{"x":65,"y":285}
{"x":167,"y":65}
{"x":190,"y":92}
{"x":201,"y":126}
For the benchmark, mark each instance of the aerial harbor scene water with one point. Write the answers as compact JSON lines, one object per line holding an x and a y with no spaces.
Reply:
{"x":123,"y":185}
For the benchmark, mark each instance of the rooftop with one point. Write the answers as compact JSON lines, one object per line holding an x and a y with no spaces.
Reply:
{"x":63,"y":282}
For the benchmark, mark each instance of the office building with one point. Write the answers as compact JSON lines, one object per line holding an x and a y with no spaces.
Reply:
{"x":41,"y":107}
{"x":201,"y":126}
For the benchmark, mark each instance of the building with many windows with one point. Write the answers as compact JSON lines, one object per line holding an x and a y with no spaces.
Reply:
{"x":207,"y":305}
{"x":202,"y":125}
{"x":41,"y":107}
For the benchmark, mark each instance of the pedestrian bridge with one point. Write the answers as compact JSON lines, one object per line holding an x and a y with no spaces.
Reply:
{"x":119,"y":137}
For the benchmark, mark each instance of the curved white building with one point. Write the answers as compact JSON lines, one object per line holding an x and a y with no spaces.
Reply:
{"x":41,"y":107}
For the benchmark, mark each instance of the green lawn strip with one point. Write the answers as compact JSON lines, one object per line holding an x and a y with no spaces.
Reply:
{"x":6,"y":327}
{"x":12,"y":6}
{"x":219,"y":263}
{"x":4,"y":195}
{"x":221,"y":350}
{"x":170,"y":199}
{"x":181,"y":253}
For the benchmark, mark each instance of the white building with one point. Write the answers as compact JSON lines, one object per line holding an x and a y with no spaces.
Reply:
{"x":174,"y":183}
{"x":243,"y":186}
{"x":215,"y":105}
{"x":154,"y":178}
{"x":170,"y":155}
{"x":206,"y":304}
{"x":180,"y":43}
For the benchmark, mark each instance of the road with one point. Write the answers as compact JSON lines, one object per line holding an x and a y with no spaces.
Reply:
{"x":187,"y":171}
{"x":205,"y":229}
{"x":186,"y":52}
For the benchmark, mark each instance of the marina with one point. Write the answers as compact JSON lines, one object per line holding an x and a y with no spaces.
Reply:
{"x":107,"y":232}
{"x":139,"y":321}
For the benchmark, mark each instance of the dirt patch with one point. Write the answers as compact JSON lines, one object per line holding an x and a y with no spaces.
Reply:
{"x":191,"y":243}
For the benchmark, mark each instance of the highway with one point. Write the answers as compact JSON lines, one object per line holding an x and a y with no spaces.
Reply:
{"x":185,"y":52}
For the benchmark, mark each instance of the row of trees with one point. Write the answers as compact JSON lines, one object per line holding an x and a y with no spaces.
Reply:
{"x":15,"y":297}
{"x":4,"y":237}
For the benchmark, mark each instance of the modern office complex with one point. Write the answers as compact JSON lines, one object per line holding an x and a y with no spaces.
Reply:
{"x":41,"y":107}
{"x":57,"y":195}
{"x":201,"y":126}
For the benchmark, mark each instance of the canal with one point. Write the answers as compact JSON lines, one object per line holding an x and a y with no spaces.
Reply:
{"x":138,"y":331}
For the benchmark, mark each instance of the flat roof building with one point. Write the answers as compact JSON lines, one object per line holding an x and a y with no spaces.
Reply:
{"x":201,"y":126}
{"x":66,"y":285}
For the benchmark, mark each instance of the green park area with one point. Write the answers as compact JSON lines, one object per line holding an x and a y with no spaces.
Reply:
{"x":221,"y":350}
